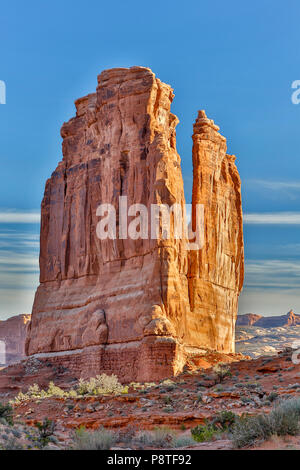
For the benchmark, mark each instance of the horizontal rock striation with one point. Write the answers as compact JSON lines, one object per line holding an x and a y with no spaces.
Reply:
{"x":135,"y":307}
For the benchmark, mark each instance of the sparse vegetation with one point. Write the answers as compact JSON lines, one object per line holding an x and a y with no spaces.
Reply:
{"x":46,"y":430}
{"x":6,"y":414}
{"x":221,"y":371}
{"x":221,"y":423}
{"x":100,"y":385}
{"x":224,"y":420}
{"x":283,"y":420}
{"x":204,"y":432}
{"x":101,"y":439}
{"x":161,"y":438}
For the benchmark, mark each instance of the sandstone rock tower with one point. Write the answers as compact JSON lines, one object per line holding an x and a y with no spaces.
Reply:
{"x":136,"y":308}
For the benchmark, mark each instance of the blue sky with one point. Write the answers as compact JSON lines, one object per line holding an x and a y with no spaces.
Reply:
{"x":235,"y":60}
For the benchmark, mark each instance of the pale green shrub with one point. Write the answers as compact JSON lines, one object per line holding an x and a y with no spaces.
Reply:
{"x":100,"y":385}
{"x":94,"y":440}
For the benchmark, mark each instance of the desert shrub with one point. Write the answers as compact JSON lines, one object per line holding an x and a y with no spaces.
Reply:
{"x":224,"y":420}
{"x":220,"y":423}
{"x":46,"y":430}
{"x":11,"y":444}
{"x":167,"y":400}
{"x":204,"y":432}
{"x":221,"y":371}
{"x":283,"y":420}
{"x":6,"y":414}
{"x":285,"y":417}
{"x":250,"y":429}
{"x":168,"y":409}
{"x":142,"y":387}
{"x":159,"y":437}
{"x":272,"y":396}
{"x":35,"y":393}
{"x":182,"y":441}
{"x":101,"y":439}
{"x":101,"y":385}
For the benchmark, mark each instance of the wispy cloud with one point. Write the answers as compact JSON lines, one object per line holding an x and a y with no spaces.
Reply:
{"x":19,"y":268}
{"x":18,"y":217}
{"x":273,"y":218}
{"x":277,"y":185}
{"x":279,"y":274}
{"x":10,"y":258}
{"x":274,"y":189}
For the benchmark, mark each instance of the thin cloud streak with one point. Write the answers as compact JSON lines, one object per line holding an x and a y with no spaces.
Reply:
{"x":275,"y":274}
{"x":273,"y":218}
{"x":277,"y":185}
{"x":14,"y":217}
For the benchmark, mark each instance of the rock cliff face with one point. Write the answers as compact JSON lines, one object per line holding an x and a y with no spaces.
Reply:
{"x":135,"y":307}
{"x":13,"y":333}
{"x":216,"y":272}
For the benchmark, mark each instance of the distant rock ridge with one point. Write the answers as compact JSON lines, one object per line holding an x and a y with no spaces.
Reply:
{"x":251,"y":319}
{"x":137,"y":308}
{"x":13,"y":333}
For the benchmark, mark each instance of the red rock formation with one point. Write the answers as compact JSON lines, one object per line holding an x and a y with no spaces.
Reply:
{"x":137,"y":308}
{"x":250,"y":319}
{"x":247,"y":319}
{"x":216,"y":272}
{"x":290,"y":319}
{"x":13,"y":333}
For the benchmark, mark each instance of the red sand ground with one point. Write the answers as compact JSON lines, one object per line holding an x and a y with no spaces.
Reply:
{"x":175,"y":406}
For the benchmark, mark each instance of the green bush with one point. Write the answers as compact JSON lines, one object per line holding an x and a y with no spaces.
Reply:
{"x":46,"y":430}
{"x":204,"y":432}
{"x":6,"y":414}
{"x":224,"y":420}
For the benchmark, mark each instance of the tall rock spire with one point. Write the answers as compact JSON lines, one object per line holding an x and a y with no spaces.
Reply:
{"x":135,"y":307}
{"x":216,"y":272}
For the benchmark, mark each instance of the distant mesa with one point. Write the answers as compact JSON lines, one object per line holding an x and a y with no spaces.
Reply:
{"x":252,"y":319}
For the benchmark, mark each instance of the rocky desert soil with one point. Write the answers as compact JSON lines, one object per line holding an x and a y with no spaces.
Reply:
{"x":177,"y":404}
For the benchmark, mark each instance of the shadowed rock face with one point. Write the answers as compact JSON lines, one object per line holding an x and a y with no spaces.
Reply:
{"x":13,"y":333}
{"x":137,"y":308}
